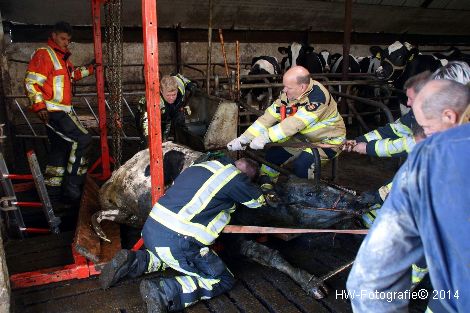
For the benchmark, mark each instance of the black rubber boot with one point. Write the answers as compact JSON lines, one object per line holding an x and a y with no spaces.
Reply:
{"x":153,"y":295}
{"x":118,"y":268}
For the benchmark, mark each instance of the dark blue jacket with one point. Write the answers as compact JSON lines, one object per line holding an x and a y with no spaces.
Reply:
{"x":202,"y":198}
{"x":427,"y":213}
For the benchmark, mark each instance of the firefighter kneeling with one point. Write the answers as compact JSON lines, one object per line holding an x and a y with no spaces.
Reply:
{"x":309,"y":109}
{"x":181,"y":226}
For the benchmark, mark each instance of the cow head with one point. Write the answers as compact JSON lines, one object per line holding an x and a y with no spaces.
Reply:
{"x":262,"y":65}
{"x":325,"y":59}
{"x":394,"y":59}
{"x":295,"y":54}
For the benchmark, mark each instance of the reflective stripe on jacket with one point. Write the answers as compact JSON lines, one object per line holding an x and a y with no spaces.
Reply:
{"x":317,"y":118}
{"x":168,"y":111}
{"x":48,"y":78}
{"x":200,"y":202}
{"x":392,"y":140}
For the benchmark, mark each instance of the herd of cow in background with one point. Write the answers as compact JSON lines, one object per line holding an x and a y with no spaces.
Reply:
{"x":395,"y":64}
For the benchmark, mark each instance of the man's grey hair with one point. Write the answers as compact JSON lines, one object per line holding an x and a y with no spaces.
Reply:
{"x":303,"y":79}
{"x":447,"y":94}
{"x":417,"y":81}
{"x":454,"y":70}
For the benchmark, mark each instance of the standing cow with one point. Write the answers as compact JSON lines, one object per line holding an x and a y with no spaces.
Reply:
{"x":333,"y":63}
{"x":401,"y":61}
{"x":300,"y":54}
{"x":262,"y":65}
{"x":453,"y":54}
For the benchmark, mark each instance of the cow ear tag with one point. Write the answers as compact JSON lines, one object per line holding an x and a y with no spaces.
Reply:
{"x":378,"y":56}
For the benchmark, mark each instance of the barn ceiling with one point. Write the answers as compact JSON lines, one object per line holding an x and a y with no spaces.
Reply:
{"x":429,"y":17}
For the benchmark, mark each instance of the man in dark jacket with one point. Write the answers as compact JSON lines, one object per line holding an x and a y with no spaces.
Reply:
{"x":416,"y":221}
{"x":181,"y":226}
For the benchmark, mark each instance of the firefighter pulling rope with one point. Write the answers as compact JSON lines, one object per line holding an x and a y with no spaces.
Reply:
{"x":114,"y":54}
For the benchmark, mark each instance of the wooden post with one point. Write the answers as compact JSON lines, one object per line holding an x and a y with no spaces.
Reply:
{"x":178,"y":49}
{"x":237,"y":44}
{"x":209,"y":50}
{"x":346,"y":44}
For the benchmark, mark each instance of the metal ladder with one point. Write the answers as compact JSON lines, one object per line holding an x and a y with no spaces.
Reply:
{"x":11,"y":206}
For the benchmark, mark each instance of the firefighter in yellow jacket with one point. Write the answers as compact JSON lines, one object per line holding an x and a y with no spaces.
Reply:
{"x":311,"y":111}
{"x":48,"y":84}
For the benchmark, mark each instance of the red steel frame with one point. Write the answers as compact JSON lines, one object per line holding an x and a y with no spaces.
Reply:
{"x":152,"y":94}
{"x":96,"y":20}
{"x":82,"y":268}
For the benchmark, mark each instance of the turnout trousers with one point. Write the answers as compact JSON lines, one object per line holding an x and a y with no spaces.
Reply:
{"x":206,"y":275}
{"x":304,"y":162}
{"x":67,"y":162}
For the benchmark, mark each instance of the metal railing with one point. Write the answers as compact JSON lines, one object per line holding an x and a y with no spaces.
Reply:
{"x":85,"y":98}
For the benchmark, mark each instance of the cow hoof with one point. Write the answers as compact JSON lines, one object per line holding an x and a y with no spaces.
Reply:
{"x":319,"y":291}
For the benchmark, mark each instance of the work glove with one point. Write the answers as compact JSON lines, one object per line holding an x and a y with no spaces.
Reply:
{"x":259,"y":142}
{"x":187,"y":109}
{"x":238,"y":143}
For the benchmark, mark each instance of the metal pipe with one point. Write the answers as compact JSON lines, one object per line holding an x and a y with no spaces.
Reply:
{"x":224,"y":55}
{"x":24,"y":115}
{"x":128,"y":107}
{"x":93,"y":137}
{"x":326,"y":83}
{"x":78,"y":119}
{"x":377,"y":104}
{"x":92,"y":112}
{"x":209,"y":48}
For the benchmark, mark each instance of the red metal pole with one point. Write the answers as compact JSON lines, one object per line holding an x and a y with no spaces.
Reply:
{"x":96,"y":16}
{"x":27,"y":204}
{"x":18,"y":176}
{"x":152,"y":94}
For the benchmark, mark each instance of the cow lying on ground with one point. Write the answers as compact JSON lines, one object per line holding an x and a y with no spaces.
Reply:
{"x":125,"y":198}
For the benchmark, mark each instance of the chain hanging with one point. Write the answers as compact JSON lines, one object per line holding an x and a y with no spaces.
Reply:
{"x":114,"y":57}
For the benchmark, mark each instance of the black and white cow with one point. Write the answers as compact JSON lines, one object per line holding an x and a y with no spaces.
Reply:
{"x":262,"y":65}
{"x":454,"y":54}
{"x":401,"y":61}
{"x":300,"y":54}
{"x":370,"y":64}
{"x":333,"y":63}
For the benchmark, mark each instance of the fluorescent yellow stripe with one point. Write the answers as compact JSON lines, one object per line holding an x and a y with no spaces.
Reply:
{"x":276,"y":133}
{"x":257,"y":129}
{"x":207,"y":191}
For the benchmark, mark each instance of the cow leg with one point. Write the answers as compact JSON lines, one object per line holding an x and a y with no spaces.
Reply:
{"x":117,"y":216}
{"x":272,"y":258}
